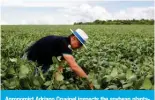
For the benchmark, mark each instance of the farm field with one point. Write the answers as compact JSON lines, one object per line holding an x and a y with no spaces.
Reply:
{"x":118,"y":57}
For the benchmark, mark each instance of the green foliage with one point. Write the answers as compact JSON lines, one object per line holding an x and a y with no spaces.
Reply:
{"x":118,"y":57}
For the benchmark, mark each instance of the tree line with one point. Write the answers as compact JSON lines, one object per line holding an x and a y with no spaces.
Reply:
{"x":118,"y":22}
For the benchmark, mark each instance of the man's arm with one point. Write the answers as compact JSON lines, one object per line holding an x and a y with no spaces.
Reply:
{"x":74,"y":66}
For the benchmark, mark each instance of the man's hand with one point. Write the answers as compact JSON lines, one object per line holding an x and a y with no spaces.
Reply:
{"x":74,"y":66}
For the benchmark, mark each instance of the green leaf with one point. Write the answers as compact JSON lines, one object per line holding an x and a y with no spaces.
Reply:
{"x":96,"y":84}
{"x":127,"y":85}
{"x":26,"y":84}
{"x":41,"y":81}
{"x":63,"y":87}
{"x":50,"y":87}
{"x":6,"y":83}
{"x":128,"y":74}
{"x":59,"y":76}
{"x":47,"y":83}
{"x":24,"y":70}
{"x":147,"y":84}
{"x":114,"y":72}
{"x":11,"y":83}
{"x":138,"y":83}
{"x":149,"y":75}
{"x":91,"y":76}
{"x":55,"y":60}
{"x":36,"y":82}
{"x":108,"y":78}
{"x":11,"y":71}
{"x":132,"y":78}
{"x":41,"y":74}
{"x":138,"y":51}
{"x":121,"y":76}
{"x":13,"y":59}
{"x":112,"y":87}
{"x":124,"y":68}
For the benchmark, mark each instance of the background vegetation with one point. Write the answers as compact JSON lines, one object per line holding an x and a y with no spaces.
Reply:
{"x":118,"y":57}
{"x":117,"y":22}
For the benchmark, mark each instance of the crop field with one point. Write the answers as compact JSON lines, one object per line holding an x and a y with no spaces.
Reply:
{"x":118,"y":57}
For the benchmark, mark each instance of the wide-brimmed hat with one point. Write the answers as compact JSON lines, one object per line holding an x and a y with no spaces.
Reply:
{"x":81,"y":35}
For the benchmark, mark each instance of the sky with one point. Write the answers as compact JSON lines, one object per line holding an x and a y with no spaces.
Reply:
{"x":15,"y":12}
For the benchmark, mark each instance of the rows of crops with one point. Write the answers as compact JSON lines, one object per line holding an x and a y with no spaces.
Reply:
{"x":118,"y":57}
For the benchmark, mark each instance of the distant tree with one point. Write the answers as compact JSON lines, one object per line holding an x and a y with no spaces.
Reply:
{"x":117,"y":22}
{"x":97,"y":22}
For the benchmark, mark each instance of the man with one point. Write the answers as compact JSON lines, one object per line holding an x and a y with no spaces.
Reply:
{"x":44,"y":49}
